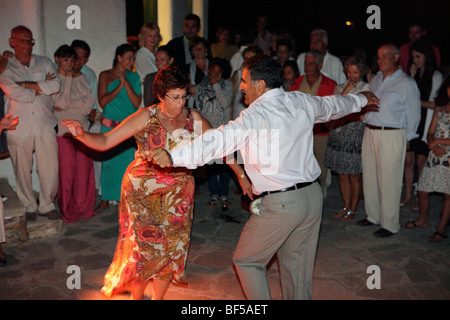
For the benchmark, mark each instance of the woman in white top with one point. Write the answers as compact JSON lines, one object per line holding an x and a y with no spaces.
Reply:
{"x":76,"y":187}
{"x":149,"y":37}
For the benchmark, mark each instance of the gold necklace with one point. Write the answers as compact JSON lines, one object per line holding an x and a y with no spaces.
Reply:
{"x":170,"y":118}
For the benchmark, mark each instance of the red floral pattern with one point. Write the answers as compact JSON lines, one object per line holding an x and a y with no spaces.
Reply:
{"x":155,"y":216}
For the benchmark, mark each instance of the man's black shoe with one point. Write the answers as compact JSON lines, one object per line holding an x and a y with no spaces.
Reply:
{"x":364,"y":223}
{"x":382,"y":233}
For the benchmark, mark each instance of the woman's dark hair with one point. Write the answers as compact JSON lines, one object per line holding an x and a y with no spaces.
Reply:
{"x":167,"y":79}
{"x":424,"y":82}
{"x":121,"y":50}
{"x":223,"y":64}
{"x":167,"y":50}
{"x":65,"y":51}
{"x":442,"y":96}
{"x":196,"y":41}
{"x":265,"y":68}
{"x":292,"y":64}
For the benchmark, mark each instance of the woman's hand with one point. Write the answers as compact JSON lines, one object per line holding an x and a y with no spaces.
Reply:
{"x":9,"y":122}
{"x":439,"y":151}
{"x":50,"y":76}
{"x":161,"y":157}
{"x":413,"y":70}
{"x":74,"y":127}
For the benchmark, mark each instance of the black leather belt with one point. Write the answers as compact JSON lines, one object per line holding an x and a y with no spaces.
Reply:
{"x":294,"y":187}
{"x":380,"y":128}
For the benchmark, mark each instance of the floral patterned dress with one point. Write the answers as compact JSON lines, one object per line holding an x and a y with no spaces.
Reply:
{"x":155,"y":214}
{"x":435,"y":175}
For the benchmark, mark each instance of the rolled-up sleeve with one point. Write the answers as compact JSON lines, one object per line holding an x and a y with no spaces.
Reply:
{"x":412,"y":105}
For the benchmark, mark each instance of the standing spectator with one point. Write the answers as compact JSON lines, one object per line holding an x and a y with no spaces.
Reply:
{"x":83,"y":51}
{"x":163,"y":59}
{"x":343,"y":154}
{"x":315,"y":83}
{"x":149,"y":38}
{"x":416,"y":32}
{"x":284,"y":51}
{"x":223,"y":48}
{"x":213,"y":99}
{"x":28,"y":82}
{"x":290,"y":73}
{"x":76,"y":187}
{"x":435,"y":175}
{"x":422,"y":68}
{"x":238,"y":99}
{"x":180,"y":46}
{"x":385,"y":140}
{"x":119,"y":94}
{"x":198,"y":68}
{"x":332,"y":66}
{"x":263,"y":38}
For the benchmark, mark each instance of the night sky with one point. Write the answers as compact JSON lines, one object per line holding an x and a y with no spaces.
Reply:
{"x":300,"y":17}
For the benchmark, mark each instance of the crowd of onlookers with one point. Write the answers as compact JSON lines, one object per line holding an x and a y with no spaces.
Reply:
{"x":403,"y":143}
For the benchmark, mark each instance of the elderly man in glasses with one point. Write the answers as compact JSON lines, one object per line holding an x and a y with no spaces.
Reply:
{"x":28,"y":82}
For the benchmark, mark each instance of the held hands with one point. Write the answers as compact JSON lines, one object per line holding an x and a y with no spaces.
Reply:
{"x":74,"y":127}
{"x":372,"y":102}
{"x":161,"y":157}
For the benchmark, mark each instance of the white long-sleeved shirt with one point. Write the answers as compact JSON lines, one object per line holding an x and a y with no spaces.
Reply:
{"x":399,"y":103}
{"x":35,"y":112}
{"x":331,"y":67}
{"x":76,"y":101}
{"x":274,"y":135}
{"x":145,"y":62}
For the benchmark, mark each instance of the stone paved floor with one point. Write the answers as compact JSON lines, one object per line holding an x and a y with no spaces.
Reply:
{"x":410,"y":267}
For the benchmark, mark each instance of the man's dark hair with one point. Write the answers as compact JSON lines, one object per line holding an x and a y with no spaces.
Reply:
{"x":193,"y":17}
{"x":265,"y":68}
{"x":81,"y":44}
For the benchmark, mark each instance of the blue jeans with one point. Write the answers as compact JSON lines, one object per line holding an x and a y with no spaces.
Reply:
{"x":218,"y":180}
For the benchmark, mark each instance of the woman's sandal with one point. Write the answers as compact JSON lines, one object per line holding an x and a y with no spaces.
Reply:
{"x":349,"y":216}
{"x":442,"y":236}
{"x":212,"y":203}
{"x":101,"y":208}
{"x":339,"y":214}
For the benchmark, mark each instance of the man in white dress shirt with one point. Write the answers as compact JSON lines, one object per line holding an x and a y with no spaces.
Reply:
{"x":28,"y":82}
{"x":385,"y":140}
{"x":332,"y":66}
{"x":275,"y":137}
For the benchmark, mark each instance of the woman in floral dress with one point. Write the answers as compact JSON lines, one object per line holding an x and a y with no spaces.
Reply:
{"x":155,"y":212}
{"x":435,"y":176}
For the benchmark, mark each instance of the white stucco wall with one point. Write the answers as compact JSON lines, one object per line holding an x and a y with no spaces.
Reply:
{"x":103,"y":27}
